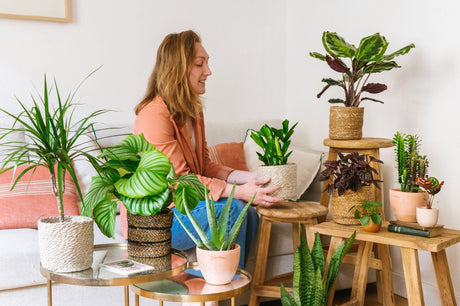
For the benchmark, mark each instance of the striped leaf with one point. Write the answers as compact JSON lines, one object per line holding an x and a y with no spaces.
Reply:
{"x":104,"y":214}
{"x":401,"y":51}
{"x":371,"y":48}
{"x":146,"y":206}
{"x":337,"y":46}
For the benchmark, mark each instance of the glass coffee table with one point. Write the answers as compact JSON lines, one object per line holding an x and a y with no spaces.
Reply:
{"x":190,"y":286}
{"x":98,"y":275}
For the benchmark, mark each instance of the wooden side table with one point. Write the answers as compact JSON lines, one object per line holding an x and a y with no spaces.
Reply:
{"x":296,"y":213}
{"x":409,"y":245}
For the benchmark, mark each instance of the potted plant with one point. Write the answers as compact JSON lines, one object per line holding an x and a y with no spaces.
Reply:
{"x":349,"y":182}
{"x":369,"y":215}
{"x":346,"y":122}
{"x":218,"y":255}
{"x":143,"y":179}
{"x":312,"y":280}
{"x":54,"y":139}
{"x":410,"y":165}
{"x":428,"y":216}
{"x":275,"y":146}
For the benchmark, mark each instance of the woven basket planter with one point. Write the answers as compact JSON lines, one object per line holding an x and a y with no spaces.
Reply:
{"x":346,"y":123}
{"x":66,"y":246}
{"x":340,"y":205}
{"x":281,"y":175}
{"x":149,"y":236}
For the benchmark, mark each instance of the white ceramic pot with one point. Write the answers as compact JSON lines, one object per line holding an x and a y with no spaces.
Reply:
{"x":218,"y":267}
{"x":427,"y":217}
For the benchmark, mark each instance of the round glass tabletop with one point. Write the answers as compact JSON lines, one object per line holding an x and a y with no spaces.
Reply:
{"x":190,"y":286}
{"x":100,"y":275}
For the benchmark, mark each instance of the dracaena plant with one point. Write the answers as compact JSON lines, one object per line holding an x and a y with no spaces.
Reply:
{"x":313,"y":280}
{"x":368,"y":58}
{"x":274,"y":143}
{"x":142,"y":178}
{"x":55,"y":139}
{"x":350,"y":171}
{"x":218,"y":241}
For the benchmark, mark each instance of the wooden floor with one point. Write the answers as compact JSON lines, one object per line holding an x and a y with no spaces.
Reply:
{"x":343,"y":296}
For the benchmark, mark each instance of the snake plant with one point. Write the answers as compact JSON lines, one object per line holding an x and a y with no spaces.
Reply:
{"x":368,"y":58}
{"x":274,"y":143}
{"x":312,"y":281}
{"x":142,"y":178}
{"x":218,"y":228}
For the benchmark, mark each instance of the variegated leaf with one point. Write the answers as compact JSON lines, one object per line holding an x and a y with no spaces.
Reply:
{"x":371,"y":48}
{"x":146,"y":206}
{"x":379,"y":67}
{"x":401,"y":51}
{"x":104,"y":214}
{"x":337,"y":46}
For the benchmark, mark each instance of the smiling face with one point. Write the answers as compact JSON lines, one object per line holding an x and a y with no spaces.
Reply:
{"x":199,"y":71}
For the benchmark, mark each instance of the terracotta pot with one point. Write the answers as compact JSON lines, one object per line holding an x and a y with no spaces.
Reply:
{"x":371,"y":227}
{"x":281,"y":175}
{"x":427,"y":217}
{"x":340,"y":205}
{"x":404,"y":204}
{"x":218,"y":267}
{"x":346,"y":123}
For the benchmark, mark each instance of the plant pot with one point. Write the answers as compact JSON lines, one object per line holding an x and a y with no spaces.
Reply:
{"x":280,"y":175}
{"x":149,"y":236}
{"x":346,"y":123}
{"x":371,"y":227}
{"x":66,"y":246}
{"x":340,"y":205}
{"x":218,"y":267}
{"x":427,"y":217}
{"x":404,"y":204}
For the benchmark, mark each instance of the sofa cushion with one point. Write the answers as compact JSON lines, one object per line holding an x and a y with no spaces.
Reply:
{"x":230,"y":154}
{"x":32,"y":198}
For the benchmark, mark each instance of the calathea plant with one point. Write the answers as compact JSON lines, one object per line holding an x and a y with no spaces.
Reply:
{"x":142,"y":178}
{"x":430,"y":185}
{"x":313,"y":280}
{"x":368,"y":58}
{"x":274,"y":143}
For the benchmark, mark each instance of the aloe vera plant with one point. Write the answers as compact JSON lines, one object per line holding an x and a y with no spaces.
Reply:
{"x":274,"y":143}
{"x":55,"y":138}
{"x":368,"y":58}
{"x":218,"y":241}
{"x":136,"y":173}
{"x":312,"y":281}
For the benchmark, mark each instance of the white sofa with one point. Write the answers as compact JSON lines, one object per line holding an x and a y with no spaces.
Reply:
{"x":22,"y":284}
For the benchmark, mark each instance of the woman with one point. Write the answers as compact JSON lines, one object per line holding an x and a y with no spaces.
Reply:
{"x":171,"y":117}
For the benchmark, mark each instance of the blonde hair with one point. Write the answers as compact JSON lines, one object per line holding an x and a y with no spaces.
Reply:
{"x":169,"y":78}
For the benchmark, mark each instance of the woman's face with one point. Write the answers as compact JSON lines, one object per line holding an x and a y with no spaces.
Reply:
{"x":199,"y":71}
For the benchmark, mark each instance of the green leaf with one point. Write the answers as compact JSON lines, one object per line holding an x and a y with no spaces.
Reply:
{"x":104,"y":214}
{"x":380,"y":67}
{"x":189,"y":233}
{"x":376,"y":218}
{"x":148,"y":205}
{"x":236,"y":226}
{"x":337,"y":46}
{"x":365,"y":219}
{"x":317,"y":254}
{"x":185,"y":196}
{"x":318,"y":56}
{"x":286,"y":298}
{"x":401,"y":51}
{"x":371,"y":48}
{"x":335,"y":101}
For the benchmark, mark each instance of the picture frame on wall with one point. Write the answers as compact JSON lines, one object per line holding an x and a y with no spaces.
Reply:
{"x":45,"y":10}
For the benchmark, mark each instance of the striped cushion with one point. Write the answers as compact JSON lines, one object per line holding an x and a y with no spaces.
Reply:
{"x":32,"y":199}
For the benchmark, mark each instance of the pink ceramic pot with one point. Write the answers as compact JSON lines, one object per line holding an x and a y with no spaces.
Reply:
{"x":404,"y":204}
{"x":427,"y":217}
{"x":218,"y":267}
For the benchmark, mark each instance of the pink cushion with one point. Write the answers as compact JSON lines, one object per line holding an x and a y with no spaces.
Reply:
{"x":32,"y":199}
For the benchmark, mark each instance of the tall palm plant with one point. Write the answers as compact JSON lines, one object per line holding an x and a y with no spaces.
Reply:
{"x":54,"y":139}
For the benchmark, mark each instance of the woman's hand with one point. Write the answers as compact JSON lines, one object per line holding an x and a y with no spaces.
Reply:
{"x":246,"y":191}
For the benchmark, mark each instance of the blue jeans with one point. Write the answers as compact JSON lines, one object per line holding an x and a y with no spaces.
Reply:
{"x":181,"y":240}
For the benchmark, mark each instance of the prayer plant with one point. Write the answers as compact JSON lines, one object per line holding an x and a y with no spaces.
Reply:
{"x":142,"y":178}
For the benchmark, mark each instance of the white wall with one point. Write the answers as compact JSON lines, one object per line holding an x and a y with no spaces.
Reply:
{"x":421,"y":96}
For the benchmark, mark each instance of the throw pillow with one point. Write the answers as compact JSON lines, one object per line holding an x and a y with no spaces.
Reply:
{"x":32,"y":198}
{"x":308,"y":162}
{"x":230,"y":154}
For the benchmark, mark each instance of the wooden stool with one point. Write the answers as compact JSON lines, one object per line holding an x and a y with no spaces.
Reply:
{"x":307,"y":215}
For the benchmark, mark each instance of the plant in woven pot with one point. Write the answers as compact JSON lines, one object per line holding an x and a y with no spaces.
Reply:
{"x":143,"y":179}
{"x":428,"y":216}
{"x":54,"y":140}
{"x":275,"y":145}
{"x":410,"y":165}
{"x":350,"y":178}
{"x":345,"y":123}
{"x":218,"y":255}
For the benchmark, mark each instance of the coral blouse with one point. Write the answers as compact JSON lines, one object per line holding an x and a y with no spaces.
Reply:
{"x":159,"y":128}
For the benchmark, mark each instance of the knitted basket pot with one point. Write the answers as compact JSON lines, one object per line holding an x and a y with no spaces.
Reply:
{"x":346,"y":123}
{"x":66,"y":246}
{"x":149,"y":236}
{"x":340,"y":205}
{"x":281,"y":175}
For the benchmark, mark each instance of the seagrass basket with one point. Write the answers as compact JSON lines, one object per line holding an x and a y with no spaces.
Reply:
{"x":281,"y":175}
{"x":149,"y":236}
{"x":346,"y":123}
{"x":340,"y":205}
